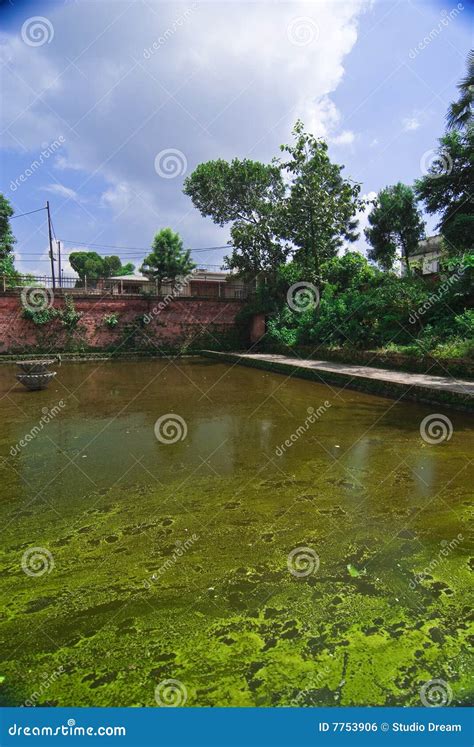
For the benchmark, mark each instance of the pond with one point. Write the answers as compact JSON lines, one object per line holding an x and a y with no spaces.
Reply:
{"x":198,"y":533}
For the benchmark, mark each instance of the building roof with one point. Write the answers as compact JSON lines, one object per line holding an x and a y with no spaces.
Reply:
{"x":430,"y":244}
{"x":135,"y":278}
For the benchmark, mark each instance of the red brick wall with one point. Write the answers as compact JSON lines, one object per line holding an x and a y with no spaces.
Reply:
{"x":181,"y":321}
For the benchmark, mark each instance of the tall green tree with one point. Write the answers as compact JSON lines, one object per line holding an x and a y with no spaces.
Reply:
{"x":448,"y":189}
{"x":395,"y":226}
{"x":320,"y":212}
{"x":7,"y":240}
{"x":167,"y":259}
{"x":460,"y":113}
{"x":92,"y":266}
{"x":248,"y":195}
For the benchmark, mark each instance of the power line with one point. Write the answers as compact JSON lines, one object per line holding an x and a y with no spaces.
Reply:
{"x":20,"y":215}
{"x":139,"y":248}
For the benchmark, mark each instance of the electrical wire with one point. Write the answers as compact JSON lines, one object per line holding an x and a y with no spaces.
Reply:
{"x":138,"y":248}
{"x":20,"y":215}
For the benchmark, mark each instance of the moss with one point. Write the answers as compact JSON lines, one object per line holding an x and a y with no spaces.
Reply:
{"x":129,"y":603}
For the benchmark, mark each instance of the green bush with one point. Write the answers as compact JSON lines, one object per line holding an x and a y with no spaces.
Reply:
{"x":365,"y":308}
{"x":111,"y":320}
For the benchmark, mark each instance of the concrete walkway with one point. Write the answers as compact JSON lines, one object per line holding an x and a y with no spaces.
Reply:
{"x":423,"y":387}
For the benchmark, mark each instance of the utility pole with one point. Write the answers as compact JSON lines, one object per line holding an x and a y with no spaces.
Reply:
{"x":59,"y":263}
{"x":50,"y":245}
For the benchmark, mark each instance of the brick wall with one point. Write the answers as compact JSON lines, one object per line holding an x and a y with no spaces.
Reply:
{"x":142,"y":325}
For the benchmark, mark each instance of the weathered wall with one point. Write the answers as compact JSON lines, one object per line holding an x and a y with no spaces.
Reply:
{"x":142,"y":325}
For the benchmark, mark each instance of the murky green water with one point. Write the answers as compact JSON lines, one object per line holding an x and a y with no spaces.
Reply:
{"x":171,"y":560}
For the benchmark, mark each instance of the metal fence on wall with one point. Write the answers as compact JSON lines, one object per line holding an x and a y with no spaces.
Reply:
{"x":202,"y":287}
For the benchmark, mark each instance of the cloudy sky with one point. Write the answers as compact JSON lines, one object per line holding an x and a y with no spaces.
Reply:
{"x":108,"y":104}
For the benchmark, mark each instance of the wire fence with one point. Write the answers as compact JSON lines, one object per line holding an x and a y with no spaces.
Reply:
{"x":204,"y":286}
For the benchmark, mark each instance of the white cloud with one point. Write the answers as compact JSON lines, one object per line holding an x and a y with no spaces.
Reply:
{"x":346,"y":137}
{"x":225,"y":83}
{"x":62,"y":191}
{"x":410,"y":123}
{"x":363,"y":216}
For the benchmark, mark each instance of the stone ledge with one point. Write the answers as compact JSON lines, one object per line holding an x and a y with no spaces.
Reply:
{"x":422,"y":388}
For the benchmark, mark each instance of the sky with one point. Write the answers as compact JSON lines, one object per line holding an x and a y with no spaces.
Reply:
{"x":107,"y":105}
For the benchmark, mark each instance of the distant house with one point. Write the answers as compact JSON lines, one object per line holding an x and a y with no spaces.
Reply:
{"x":426,"y":260}
{"x":201,"y":283}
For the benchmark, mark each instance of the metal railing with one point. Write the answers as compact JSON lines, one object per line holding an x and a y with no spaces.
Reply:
{"x":202,"y":287}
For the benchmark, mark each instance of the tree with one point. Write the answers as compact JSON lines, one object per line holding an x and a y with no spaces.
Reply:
{"x":249,"y":195}
{"x":447,"y":189}
{"x":7,"y":240}
{"x":92,"y":266}
{"x":395,"y":226}
{"x":459,"y":114}
{"x":113,"y":267}
{"x":167,"y":260}
{"x":320,"y":210}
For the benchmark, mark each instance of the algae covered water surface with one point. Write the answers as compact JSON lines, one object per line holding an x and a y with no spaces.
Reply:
{"x":269,"y":541}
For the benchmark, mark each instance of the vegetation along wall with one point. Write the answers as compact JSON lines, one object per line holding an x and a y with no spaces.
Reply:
{"x":120,"y":325}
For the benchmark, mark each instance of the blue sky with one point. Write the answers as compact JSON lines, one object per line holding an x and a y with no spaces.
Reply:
{"x":126,"y":98}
